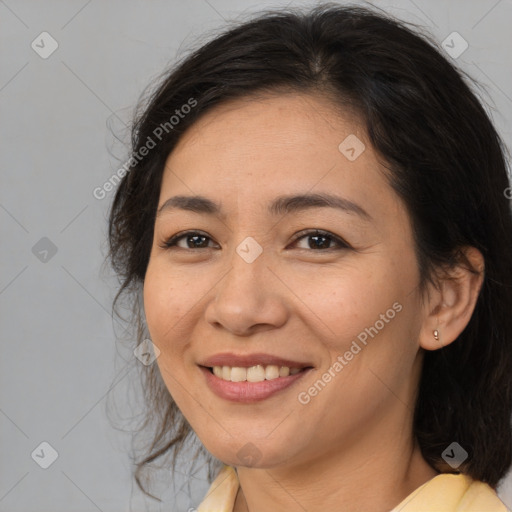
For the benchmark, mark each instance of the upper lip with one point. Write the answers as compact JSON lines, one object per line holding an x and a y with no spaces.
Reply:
{"x":247,"y":360}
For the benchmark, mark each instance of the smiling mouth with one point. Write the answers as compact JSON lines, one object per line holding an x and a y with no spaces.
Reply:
{"x":256,"y":373}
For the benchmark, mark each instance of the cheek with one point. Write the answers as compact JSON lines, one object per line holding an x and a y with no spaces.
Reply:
{"x":168,"y":300}
{"x":367,"y":316}
{"x":340,"y":303}
{"x":168,"y":306}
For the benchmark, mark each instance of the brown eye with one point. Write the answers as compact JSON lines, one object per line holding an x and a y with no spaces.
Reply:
{"x":190,"y":239}
{"x":321,"y":240}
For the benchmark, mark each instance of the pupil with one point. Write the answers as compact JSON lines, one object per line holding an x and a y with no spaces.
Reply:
{"x":195,"y":239}
{"x":320,"y":245}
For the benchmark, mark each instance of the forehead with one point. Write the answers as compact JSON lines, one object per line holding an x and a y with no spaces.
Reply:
{"x":256,"y":148}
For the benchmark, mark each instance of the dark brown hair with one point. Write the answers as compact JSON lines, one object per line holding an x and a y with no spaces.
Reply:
{"x":445,"y":160}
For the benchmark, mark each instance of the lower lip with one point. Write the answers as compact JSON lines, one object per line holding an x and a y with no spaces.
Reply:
{"x":248,"y":392}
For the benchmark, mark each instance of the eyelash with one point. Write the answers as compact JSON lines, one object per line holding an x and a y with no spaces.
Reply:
{"x":171,"y":242}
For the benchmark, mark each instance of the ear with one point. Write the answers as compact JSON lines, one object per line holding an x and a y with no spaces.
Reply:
{"x":451,"y":303}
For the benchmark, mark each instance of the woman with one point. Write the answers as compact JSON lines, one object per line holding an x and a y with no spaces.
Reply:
{"x":316,"y":221}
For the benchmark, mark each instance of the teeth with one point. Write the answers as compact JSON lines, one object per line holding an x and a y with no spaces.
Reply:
{"x":237,"y":374}
{"x":256,"y":373}
{"x":284,"y":371}
{"x":272,"y":372}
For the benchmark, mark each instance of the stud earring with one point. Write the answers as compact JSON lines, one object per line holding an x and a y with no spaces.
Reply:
{"x":436,"y":334}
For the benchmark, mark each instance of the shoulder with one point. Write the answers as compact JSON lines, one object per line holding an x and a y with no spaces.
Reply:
{"x":443,"y":493}
{"x":479,"y":496}
{"x":452,"y":493}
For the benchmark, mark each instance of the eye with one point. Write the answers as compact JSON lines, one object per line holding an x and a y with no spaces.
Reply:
{"x":318,"y":239}
{"x":191,"y":240}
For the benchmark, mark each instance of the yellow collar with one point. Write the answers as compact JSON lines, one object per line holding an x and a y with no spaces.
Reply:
{"x":443,"y":493}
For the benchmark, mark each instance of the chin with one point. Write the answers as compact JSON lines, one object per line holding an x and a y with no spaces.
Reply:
{"x":252,"y":454}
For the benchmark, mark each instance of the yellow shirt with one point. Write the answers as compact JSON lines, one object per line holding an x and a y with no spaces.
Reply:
{"x":443,"y":493}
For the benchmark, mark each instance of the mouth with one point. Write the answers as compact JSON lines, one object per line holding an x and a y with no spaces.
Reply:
{"x":248,"y":379}
{"x":256,"y":373}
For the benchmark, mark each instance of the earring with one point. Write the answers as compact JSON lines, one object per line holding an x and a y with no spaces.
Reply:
{"x":436,"y":334}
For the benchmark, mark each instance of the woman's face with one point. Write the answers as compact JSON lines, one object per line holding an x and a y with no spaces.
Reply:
{"x":253,"y":282}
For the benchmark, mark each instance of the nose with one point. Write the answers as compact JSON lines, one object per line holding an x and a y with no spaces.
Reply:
{"x":248,"y":299}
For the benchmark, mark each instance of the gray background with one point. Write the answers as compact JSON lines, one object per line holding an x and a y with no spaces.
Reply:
{"x":60,"y":363}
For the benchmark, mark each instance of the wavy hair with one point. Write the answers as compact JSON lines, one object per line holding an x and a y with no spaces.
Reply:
{"x":443,"y":157}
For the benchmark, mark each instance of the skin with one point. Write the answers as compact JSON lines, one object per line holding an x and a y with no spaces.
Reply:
{"x":352,"y":443}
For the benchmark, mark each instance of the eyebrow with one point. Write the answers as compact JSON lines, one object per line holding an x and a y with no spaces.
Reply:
{"x":279,"y":206}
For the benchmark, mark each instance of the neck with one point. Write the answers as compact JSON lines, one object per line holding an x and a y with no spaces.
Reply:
{"x":373,"y":480}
